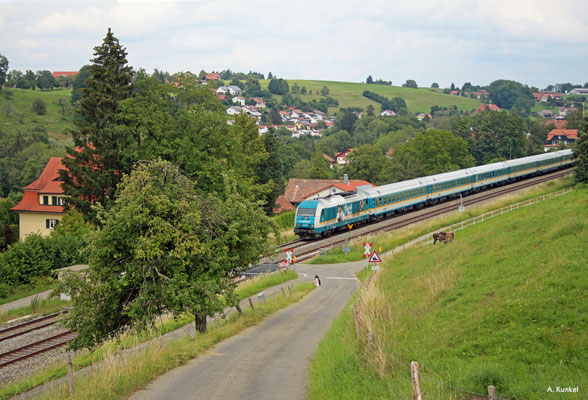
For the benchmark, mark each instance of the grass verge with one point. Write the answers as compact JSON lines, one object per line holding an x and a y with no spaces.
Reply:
{"x":118,"y":378}
{"x":25,"y":291}
{"x":36,"y":308}
{"x":504,"y":306}
{"x":389,"y":241}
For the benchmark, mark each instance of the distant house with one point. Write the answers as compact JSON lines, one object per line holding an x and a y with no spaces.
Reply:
{"x":579,"y":91}
{"x":558,"y":123}
{"x":331,"y":160}
{"x":222,"y":90}
{"x":545,"y":113}
{"x":234,"y":110}
{"x":422,"y":116}
{"x":342,"y":157}
{"x":259,"y":103}
{"x":283,"y":205}
{"x":235,"y":90}
{"x":387,"y":113}
{"x":65,"y":74}
{"x":299,"y":190}
{"x":239,"y":100}
{"x":213,"y":76}
{"x":454,"y":93}
{"x":221,"y":97}
{"x":542,"y":97}
{"x":41,"y":206}
{"x":487,"y":107}
{"x":559,"y":137}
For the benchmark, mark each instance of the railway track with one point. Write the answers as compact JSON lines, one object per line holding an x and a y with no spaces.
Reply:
{"x":29,"y":326}
{"x":309,"y":249}
{"x":35,"y":348}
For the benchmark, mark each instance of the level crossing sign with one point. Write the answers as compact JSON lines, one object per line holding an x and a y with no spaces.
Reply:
{"x":375,"y":258}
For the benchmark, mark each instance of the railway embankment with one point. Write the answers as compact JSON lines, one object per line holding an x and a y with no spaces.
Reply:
{"x":502,"y":305}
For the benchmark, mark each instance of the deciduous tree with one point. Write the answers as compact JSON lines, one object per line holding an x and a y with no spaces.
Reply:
{"x":163,"y":248}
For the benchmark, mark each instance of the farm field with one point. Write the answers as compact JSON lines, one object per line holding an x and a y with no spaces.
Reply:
{"x":17,"y":114}
{"x":503,"y":305}
{"x":349,"y":94}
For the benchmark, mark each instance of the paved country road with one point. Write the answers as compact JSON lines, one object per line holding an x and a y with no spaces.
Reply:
{"x":269,"y":361}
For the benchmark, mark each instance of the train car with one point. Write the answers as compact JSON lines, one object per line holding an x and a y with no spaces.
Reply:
{"x":323,"y":216}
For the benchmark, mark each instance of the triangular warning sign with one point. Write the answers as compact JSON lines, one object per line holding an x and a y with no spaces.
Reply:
{"x":375,"y":257}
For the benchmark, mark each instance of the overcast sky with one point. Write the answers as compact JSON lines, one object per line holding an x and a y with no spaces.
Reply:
{"x":537,"y":42}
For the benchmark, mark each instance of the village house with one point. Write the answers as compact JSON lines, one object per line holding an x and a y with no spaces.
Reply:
{"x":259,"y":103}
{"x":213,"y":76}
{"x":342,"y":157}
{"x":222,"y":90}
{"x":65,"y":74}
{"x":387,"y":113}
{"x":42,"y":204}
{"x":234,"y":110}
{"x":558,"y":137}
{"x":487,"y":107}
{"x":234,"y":90}
{"x":239,"y":100}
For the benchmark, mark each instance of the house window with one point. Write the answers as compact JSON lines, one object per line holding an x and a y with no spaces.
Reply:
{"x":51,"y":223}
{"x":45,"y":201}
{"x":54,"y":200}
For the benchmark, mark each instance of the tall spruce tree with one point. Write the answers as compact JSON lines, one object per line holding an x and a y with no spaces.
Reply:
{"x":271,"y":171}
{"x":581,"y":152}
{"x":95,"y":162}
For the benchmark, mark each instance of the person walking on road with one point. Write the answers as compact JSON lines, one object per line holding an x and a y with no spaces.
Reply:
{"x":317,"y":281}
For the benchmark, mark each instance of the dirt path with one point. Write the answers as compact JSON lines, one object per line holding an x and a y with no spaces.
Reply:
{"x":269,"y":361}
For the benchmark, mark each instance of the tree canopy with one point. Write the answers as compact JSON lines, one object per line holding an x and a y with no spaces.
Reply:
{"x":162,"y":248}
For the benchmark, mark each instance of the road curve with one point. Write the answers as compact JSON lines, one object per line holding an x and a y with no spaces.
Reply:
{"x":269,"y":361}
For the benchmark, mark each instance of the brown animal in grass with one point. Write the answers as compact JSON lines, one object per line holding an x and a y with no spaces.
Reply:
{"x":443,"y":237}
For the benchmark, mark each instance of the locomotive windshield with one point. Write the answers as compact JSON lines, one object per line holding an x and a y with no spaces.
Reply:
{"x":306,"y":212}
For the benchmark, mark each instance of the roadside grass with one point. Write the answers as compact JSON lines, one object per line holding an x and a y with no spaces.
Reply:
{"x":504,"y":306}
{"x":118,"y":377}
{"x":36,"y":308}
{"x":258,"y":284}
{"x":17,"y":113}
{"x":28,"y":290}
{"x":166,"y":324}
{"x":391,"y":240}
{"x":350,"y":94}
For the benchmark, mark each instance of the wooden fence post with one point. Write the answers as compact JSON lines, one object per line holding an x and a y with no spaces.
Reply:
{"x":70,"y":373}
{"x":250,"y":302}
{"x":290,"y":290}
{"x":416,"y":381}
{"x":492,"y":393}
{"x":238,"y":307}
{"x":283,"y":292}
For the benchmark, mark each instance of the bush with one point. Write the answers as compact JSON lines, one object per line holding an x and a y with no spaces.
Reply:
{"x":4,"y":291}
{"x":39,"y":106}
{"x":285,"y":220}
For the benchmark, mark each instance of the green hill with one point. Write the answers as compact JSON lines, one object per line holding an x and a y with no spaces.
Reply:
{"x":16,"y":112}
{"x":349,"y":94}
{"x":503,"y":305}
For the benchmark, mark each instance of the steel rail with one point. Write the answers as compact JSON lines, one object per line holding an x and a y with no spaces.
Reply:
{"x":38,"y":347}
{"x":5,"y":332}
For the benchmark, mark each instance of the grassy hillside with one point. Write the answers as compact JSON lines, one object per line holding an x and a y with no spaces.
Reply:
{"x":503,"y":305}
{"x":349,"y":94}
{"x":16,"y":112}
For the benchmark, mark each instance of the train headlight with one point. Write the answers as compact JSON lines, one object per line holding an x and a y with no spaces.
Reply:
{"x":312,"y":225}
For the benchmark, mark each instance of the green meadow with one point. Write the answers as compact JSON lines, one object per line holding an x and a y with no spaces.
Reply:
{"x":16,"y":113}
{"x":503,"y":305}
{"x":349,"y":94}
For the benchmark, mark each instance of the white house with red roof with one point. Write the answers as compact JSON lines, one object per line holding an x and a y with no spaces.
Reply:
{"x":558,"y":137}
{"x":239,"y":100}
{"x":342,"y":157}
{"x":259,"y":103}
{"x":42,"y":205}
{"x":213,"y":76}
{"x":387,"y":113}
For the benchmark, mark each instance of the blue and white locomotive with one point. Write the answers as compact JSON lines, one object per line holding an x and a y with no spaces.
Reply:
{"x":323,"y":216}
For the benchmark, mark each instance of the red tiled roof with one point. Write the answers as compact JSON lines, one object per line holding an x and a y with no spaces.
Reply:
{"x":329,"y":159}
{"x":299,"y":189}
{"x":487,"y":107}
{"x":47,"y":183}
{"x":212,"y":76}
{"x":569,"y":133}
{"x":283,"y":205}
{"x":558,"y":123}
{"x":57,"y":74}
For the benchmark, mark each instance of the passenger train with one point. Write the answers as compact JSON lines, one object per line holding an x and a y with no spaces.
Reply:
{"x":321,"y":217}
